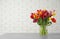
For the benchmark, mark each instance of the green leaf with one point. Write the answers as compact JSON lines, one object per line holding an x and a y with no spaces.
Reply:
{"x":46,"y":21}
{"x":39,"y":21}
{"x":49,"y":23}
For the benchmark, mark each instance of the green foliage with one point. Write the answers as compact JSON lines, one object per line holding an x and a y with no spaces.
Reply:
{"x":49,"y":23}
{"x":43,"y":22}
{"x":39,"y":21}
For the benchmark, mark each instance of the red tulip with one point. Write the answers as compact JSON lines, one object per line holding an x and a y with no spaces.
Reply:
{"x":45,"y":14}
{"x":32,"y":16}
{"x":35,"y":20}
{"x":53,"y":20}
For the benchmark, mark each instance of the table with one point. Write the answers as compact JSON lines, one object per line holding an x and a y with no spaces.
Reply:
{"x":29,"y":36}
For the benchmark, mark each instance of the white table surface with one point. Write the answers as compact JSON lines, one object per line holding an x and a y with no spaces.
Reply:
{"x":28,"y":36}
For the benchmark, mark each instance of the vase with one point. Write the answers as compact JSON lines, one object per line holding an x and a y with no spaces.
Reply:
{"x":43,"y":31}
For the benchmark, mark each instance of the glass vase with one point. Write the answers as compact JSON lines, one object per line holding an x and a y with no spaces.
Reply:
{"x":43,"y":31}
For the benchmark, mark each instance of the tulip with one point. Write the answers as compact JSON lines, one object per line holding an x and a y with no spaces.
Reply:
{"x":32,"y":16}
{"x":53,"y":20}
{"x":35,"y":20}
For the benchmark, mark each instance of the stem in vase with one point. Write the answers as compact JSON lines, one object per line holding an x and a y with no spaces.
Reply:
{"x":43,"y":30}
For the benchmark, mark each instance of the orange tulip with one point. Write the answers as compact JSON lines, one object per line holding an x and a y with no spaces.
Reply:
{"x":39,"y":12}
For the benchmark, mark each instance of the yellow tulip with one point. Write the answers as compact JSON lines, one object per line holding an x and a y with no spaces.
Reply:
{"x":49,"y":18}
{"x":53,"y":13}
{"x":44,"y":9}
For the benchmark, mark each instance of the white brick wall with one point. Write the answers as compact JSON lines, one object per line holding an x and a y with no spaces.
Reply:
{"x":14,"y":15}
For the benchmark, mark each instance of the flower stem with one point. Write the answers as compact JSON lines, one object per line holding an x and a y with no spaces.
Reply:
{"x":43,"y":30}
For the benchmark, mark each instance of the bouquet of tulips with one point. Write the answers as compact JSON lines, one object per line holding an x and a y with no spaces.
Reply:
{"x":43,"y":18}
